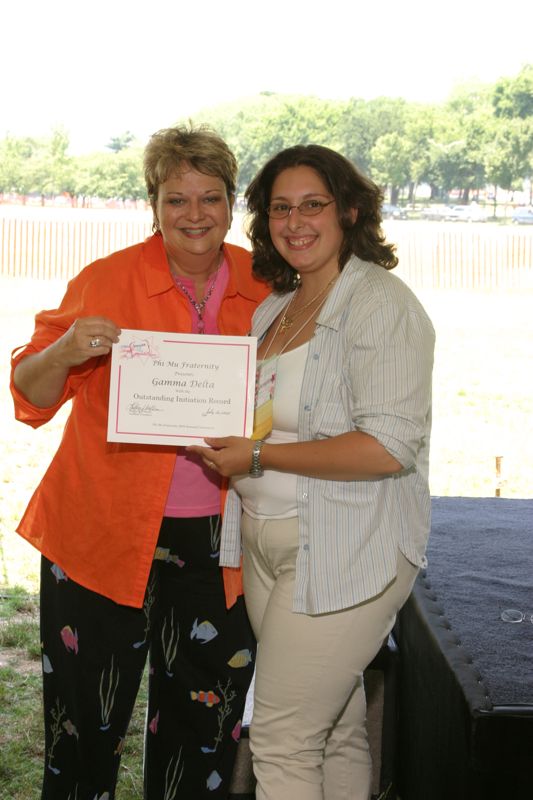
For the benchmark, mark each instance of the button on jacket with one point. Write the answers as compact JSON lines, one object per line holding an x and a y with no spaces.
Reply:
{"x":368,"y":368}
{"x":98,"y":509}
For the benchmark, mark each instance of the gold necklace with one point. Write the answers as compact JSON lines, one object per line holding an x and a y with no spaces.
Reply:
{"x":293,"y":337}
{"x":287,"y":322}
{"x":300,"y":329}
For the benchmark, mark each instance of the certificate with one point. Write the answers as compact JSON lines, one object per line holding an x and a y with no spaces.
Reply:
{"x":178,"y":388}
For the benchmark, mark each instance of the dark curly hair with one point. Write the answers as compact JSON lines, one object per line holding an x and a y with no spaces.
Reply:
{"x":350,"y":188}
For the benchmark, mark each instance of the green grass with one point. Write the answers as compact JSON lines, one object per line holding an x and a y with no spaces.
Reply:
{"x":21,"y":635}
{"x":21,"y":740}
{"x":21,"y":724}
{"x":21,"y":745}
{"x":16,"y":600}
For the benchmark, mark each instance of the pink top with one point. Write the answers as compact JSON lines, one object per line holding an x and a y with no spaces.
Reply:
{"x":194,"y":489}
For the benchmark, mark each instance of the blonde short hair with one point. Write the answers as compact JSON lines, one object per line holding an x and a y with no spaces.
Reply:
{"x":170,"y":149}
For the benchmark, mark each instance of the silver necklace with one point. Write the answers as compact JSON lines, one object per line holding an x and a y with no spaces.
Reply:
{"x":199,"y":307}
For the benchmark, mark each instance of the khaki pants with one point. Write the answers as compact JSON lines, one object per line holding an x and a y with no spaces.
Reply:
{"x":308,"y":732}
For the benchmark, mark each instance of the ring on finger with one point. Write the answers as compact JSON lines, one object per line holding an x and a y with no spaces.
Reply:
{"x":95,"y":342}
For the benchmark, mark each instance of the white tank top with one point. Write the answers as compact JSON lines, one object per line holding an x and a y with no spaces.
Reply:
{"x":274,"y":495}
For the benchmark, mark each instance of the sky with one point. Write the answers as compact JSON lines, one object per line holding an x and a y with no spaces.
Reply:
{"x":104,"y":67}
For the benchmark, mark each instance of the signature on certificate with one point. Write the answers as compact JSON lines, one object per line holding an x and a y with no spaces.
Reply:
{"x":218,"y":412}
{"x":142,"y":409}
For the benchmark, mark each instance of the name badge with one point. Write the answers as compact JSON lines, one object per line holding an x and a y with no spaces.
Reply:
{"x":264,"y":398}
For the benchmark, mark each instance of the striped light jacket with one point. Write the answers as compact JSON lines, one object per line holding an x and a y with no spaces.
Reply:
{"x":368,"y":368}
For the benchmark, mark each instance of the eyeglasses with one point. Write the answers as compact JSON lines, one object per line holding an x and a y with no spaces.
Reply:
{"x":514,"y":615}
{"x":308,"y":208}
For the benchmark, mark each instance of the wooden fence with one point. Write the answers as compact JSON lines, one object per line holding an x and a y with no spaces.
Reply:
{"x":432,"y":255}
{"x":463,"y":256}
{"x":59,"y":249}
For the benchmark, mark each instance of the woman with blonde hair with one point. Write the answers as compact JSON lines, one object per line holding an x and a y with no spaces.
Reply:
{"x":129,"y":534}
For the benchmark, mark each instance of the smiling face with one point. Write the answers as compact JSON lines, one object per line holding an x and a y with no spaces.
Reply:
{"x":194,"y":215}
{"x":309,"y":244}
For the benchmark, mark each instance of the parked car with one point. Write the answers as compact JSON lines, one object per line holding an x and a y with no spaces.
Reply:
{"x":389,"y":211}
{"x":435,"y":213}
{"x":523,"y":216}
{"x":471,"y":213}
{"x":452,"y":213}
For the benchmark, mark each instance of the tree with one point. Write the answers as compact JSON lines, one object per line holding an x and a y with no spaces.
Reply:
{"x":512,"y":100}
{"x":362,"y":123}
{"x":16,"y":166}
{"x":390,"y":163}
{"x":513,"y":97}
{"x":111,"y":175}
{"x":461,"y":131}
{"x":121,"y":142}
{"x":419,"y":133}
{"x":126,"y":180}
{"x":509,"y":155}
{"x":53,"y":171}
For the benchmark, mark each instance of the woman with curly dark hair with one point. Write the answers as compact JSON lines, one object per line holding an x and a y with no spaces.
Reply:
{"x":331,"y":494}
{"x":350,"y":188}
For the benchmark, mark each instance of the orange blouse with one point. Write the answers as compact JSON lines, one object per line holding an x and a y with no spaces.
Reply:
{"x":98,"y":509}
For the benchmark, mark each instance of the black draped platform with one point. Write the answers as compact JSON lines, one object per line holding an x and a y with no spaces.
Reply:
{"x":466,"y":676}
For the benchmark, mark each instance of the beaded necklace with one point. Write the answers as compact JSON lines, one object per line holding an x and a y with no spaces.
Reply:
{"x":199,"y":307}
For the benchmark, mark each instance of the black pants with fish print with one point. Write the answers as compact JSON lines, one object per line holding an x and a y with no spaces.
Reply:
{"x":201,"y":664}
